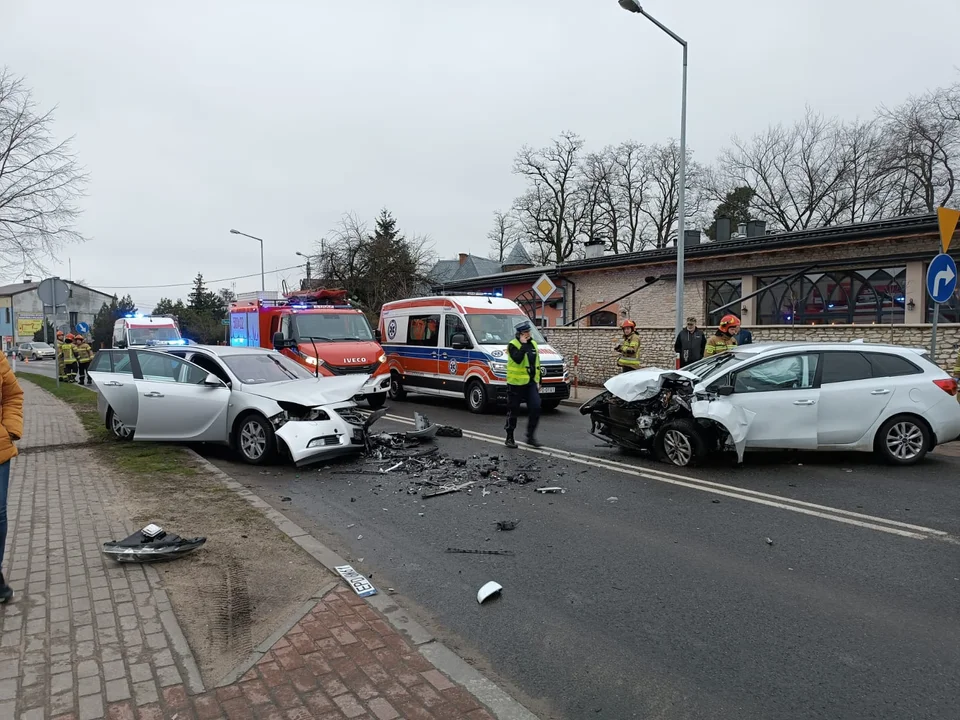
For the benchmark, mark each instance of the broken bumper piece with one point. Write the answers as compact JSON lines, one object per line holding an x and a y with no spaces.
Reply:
{"x":151,"y":544}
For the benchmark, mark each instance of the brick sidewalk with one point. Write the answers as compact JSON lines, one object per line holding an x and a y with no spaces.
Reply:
{"x":87,"y":638}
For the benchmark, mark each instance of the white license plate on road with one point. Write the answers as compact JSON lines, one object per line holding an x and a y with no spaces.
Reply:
{"x":361,"y":586}
{"x":547,"y":390}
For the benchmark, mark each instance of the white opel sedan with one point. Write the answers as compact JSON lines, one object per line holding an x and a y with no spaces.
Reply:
{"x":890,"y":400}
{"x":257,"y":401}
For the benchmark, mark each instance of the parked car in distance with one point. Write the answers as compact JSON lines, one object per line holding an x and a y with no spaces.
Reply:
{"x":257,"y":401}
{"x":889,"y":400}
{"x":36,"y":351}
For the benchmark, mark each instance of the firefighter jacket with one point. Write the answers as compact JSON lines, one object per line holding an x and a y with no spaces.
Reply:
{"x":629,"y":349}
{"x":719,"y":343}
{"x":84,"y":352}
{"x":66,"y":351}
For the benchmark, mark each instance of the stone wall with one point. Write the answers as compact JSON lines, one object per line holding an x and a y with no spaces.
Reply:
{"x":593,"y":347}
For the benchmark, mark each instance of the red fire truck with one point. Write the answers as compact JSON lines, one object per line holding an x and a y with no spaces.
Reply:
{"x":321,"y":330}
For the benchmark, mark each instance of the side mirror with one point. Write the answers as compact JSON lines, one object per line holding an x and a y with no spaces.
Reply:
{"x":378,"y":335}
{"x":725,"y":390}
{"x":460,"y":342}
{"x":279,"y":341}
{"x":212,"y":380}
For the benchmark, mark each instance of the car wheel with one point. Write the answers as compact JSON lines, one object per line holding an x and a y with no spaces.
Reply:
{"x":35,"y":357}
{"x":680,"y":442}
{"x":376,"y":401}
{"x":396,"y":387}
{"x":549,"y":405}
{"x":20,"y":357}
{"x":477,"y":397}
{"x":255,"y":440}
{"x":903,"y":440}
{"x":118,"y":429}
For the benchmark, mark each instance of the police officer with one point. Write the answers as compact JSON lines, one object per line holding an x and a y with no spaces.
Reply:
{"x":523,"y":383}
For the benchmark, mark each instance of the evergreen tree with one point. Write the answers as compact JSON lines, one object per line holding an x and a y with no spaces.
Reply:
{"x":736,"y":206}
{"x":47,"y":334}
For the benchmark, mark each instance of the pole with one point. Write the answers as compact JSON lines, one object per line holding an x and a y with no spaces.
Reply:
{"x":681,"y":223}
{"x":263,"y":281}
{"x":933,"y":333}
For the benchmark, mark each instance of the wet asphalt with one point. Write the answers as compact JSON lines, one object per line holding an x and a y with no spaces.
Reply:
{"x":676,"y":600}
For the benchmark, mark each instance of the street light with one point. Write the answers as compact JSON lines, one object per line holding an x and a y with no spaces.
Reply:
{"x":308,"y":263}
{"x":635,"y":7}
{"x":263,"y":281}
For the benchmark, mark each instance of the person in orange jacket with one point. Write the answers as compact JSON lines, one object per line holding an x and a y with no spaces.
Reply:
{"x":11,"y":418}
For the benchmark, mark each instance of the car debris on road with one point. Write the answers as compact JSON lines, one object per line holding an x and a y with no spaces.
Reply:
{"x":151,"y":544}
{"x":488,"y":591}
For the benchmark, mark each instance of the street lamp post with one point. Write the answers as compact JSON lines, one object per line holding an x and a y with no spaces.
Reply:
{"x":634,"y":7}
{"x":308,"y":263}
{"x":263,"y":281}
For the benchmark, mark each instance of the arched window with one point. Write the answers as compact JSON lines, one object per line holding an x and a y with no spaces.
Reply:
{"x":720,"y":292}
{"x":603,"y":318}
{"x":841,"y":297}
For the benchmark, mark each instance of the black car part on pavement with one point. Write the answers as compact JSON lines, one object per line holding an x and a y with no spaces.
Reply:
{"x":151,"y":544}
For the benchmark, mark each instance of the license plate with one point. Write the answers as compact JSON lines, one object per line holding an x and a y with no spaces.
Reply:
{"x":361,"y":586}
{"x":547,"y":390}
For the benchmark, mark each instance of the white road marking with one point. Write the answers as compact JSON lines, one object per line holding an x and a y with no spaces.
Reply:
{"x":848,"y":517}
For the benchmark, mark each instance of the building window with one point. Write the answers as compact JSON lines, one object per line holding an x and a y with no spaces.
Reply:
{"x":423,"y":330}
{"x":6,"y":315}
{"x":843,"y":297}
{"x":74,"y":321}
{"x":719,"y":293}
{"x":603,"y":318}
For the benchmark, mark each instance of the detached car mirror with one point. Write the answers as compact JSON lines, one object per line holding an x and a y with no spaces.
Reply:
{"x":212,"y":380}
{"x":460,"y":342}
{"x":725,"y":390}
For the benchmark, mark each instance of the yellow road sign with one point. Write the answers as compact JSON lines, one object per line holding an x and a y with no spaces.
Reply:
{"x":947,"y":218}
{"x":544,"y":288}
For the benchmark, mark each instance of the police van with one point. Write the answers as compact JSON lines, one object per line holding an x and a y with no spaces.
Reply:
{"x":456,"y":346}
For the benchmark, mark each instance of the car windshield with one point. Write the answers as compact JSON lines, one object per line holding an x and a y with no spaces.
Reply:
{"x":333,"y":327}
{"x":257,"y":368}
{"x":142,"y":336}
{"x":39,"y":346}
{"x":708,"y":366}
{"x":499,"y":329}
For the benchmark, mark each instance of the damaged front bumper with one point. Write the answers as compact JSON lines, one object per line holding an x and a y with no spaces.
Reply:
{"x":345,"y":432}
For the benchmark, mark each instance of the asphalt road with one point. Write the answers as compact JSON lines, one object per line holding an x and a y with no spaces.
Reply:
{"x":796,"y":586}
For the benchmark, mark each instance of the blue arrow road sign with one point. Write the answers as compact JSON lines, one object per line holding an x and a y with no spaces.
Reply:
{"x":82,"y":328}
{"x":941,"y":278}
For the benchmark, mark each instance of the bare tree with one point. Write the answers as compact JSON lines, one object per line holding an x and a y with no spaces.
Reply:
{"x":922,"y":145}
{"x":40,"y":182}
{"x":799,"y":172}
{"x":661,"y":201}
{"x":551,"y":211}
{"x":601,"y":217}
{"x":631,"y":182}
{"x":502,"y":235}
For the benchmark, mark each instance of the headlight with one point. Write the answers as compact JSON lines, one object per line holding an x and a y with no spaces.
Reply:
{"x":498,"y":368}
{"x":382,"y":359}
{"x":312,"y":360}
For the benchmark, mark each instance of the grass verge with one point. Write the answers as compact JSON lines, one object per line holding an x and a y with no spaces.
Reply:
{"x":132,"y":457}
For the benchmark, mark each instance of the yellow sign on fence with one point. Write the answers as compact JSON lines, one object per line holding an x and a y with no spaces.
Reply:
{"x":29,"y":326}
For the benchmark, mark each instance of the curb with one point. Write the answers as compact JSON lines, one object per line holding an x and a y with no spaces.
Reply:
{"x":499,"y":703}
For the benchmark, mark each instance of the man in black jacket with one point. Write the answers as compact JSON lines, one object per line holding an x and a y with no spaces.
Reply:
{"x":690,"y":343}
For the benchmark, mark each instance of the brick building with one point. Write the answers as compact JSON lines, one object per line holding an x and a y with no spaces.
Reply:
{"x":861,"y":281}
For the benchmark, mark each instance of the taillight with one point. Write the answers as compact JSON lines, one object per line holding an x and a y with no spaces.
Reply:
{"x":948,"y":385}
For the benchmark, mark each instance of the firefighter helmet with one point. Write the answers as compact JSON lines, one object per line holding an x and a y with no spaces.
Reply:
{"x":69,"y":336}
{"x":628,"y":324}
{"x":729,"y":321}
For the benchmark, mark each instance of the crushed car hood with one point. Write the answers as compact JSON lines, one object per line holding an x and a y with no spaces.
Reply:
{"x":311,"y":393}
{"x":644,"y":383}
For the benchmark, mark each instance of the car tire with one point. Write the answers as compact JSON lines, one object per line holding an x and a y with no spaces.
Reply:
{"x":396,"y":391}
{"x":477,"y":399}
{"x":116,"y":428}
{"x":254,"y":439}
{"x":376,"y":401}
{"x":19,"y":357}
{"x":903,"y":440}
{"x":680,"y":442}
{"x":549,"y":405}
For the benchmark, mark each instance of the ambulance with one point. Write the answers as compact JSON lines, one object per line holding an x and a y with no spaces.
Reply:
{"x":455,"y":346}
{"x":319,"y":329}
{"x":137,"y":330}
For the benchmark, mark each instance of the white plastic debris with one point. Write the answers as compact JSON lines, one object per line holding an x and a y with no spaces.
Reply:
{"x":612,"y":499}
{"x":551,"y":490}
{"x":488,"y":591}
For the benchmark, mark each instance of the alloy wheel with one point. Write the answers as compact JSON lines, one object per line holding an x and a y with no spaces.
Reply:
{"x":119,"y":429}
{"x":253,"y":439}
{"x":905,"y":440}
{"x":677,"y":447}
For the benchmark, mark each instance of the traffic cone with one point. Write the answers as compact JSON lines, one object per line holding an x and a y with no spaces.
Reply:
{"x":26,"y":360}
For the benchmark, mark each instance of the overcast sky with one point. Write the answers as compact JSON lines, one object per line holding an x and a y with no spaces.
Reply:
{"x":277,"y":117}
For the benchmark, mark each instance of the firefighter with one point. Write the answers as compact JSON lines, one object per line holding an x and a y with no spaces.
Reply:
{"x":84,"y":353}
{"x":629,"y":347}
{"x":523,"y":383}
{"x":69,"y":359}
{"x":723,"y":339}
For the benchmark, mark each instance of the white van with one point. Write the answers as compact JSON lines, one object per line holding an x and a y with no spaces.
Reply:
{"x":456,"y":346}
{"x":144,"y":330}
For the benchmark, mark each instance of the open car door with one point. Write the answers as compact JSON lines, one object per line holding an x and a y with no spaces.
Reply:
{"x":112,"y":375}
